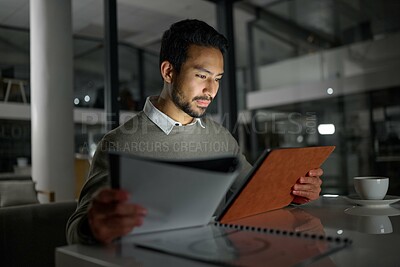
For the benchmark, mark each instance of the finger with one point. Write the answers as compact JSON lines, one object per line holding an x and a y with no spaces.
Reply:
{"x":300,"y":200}
{"x":108,"y":228}
{"x":306,"y":194}
{"x":305,"y":187}
{"x":315,"y":172}
{"x":310,"y":180}
{"x":106,"y":235}
{"x":117,"y":224}
{"x":108,"y":195}
{"x":101,"y":210}
{"x":106,"y":201}
{"x":120,"y":211}
{"x":128,"y":209}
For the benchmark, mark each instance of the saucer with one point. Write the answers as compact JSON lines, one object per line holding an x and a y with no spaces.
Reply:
{"x":354,"y":199}
{"x":372,"y":211}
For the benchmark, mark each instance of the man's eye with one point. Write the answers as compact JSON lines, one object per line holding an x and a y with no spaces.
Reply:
{"x":218,"y":79}
{"x":201,"y":76}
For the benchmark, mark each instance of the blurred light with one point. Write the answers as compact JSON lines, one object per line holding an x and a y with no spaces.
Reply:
{"x":329,"y":91}
{"x":76,"y":101}
{"x":339,"y":232}
{"x":330,"y":195}
{"x":87,"y":98}
{"x":300,"y":139}
{"x":325,"y":129}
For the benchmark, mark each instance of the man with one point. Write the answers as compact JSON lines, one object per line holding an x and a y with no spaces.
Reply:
{"x":171,"y":126}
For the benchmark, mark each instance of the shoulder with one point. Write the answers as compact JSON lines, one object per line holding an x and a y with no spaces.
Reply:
{"x":131,"y":126}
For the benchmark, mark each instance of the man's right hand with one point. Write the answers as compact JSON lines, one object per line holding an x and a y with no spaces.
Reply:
{"x":110,"y":215}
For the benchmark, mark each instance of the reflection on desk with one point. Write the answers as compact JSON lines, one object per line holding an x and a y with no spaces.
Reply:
{"x":373,"y":220}
{"x":291,"y":219}
{"x":368,"y":211}
{"x":226,"y":245}
{"x":325,"y":216}
{"x":368,"y":247}
{"x":375,"y":203}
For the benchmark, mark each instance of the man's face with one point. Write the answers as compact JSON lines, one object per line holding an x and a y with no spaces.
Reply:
{"x":198,"y":81}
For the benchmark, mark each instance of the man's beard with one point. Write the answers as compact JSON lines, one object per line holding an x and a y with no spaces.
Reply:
{"x":178,"y":100}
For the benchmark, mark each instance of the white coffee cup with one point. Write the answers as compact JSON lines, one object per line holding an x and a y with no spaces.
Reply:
{"x":371,"y":187}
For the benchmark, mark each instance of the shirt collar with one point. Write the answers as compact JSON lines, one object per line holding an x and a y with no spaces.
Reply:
{"x":165,"y":123}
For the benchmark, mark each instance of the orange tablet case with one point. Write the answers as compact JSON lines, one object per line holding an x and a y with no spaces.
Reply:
{"x":270,"y":182}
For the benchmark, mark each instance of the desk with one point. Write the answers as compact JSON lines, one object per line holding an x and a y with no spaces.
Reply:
{"x":375,"y":239}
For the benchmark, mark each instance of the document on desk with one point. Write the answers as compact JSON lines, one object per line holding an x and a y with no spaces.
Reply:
{"x":230,"y":246}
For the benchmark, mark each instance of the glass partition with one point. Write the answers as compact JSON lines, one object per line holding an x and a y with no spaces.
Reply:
{"x":88,"y":91}
{"x":325,"y":73}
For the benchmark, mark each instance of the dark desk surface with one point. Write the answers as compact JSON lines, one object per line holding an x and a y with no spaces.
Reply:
{"x":375,"y":235}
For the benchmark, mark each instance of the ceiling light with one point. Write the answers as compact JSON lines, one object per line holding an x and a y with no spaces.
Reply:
{"x":326,"y":129}
{"x":329,"y":91}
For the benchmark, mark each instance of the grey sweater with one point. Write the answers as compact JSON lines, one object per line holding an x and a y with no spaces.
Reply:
{"x":140,"y":136}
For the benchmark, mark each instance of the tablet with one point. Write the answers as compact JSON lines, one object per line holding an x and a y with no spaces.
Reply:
{"x":269,"y":184}
{"x":176,"y":193}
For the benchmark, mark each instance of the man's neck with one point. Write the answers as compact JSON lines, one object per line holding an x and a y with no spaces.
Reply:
{"x":165,"y":104}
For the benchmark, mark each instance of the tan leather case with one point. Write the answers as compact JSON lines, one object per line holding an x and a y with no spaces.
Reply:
{"x":271,"y":185}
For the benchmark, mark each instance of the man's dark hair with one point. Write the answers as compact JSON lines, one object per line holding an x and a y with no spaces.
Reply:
{"x":177,"y":39}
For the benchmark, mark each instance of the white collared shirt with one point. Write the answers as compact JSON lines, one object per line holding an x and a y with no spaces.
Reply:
{"x":165,"y":123}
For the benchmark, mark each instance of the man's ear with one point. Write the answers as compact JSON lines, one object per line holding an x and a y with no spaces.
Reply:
{"x":167,"y":71}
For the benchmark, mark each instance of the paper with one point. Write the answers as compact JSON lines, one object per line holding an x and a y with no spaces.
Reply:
{"x":175,"y":196}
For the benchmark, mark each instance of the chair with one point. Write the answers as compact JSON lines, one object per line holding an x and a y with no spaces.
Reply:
{"x":21,"y":192}
{"x":10,"y":83}
{"x":30,"y":233}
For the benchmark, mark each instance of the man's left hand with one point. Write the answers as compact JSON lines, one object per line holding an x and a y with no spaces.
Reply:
{"x":307,"y":188}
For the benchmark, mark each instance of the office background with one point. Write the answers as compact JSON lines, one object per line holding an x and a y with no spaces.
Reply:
{"x":308,"y":72}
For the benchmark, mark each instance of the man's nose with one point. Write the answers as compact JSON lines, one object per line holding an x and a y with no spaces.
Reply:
{"x":211,"y":88}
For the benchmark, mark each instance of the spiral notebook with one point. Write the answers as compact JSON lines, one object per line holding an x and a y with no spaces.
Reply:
{"x":235,"y":245}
